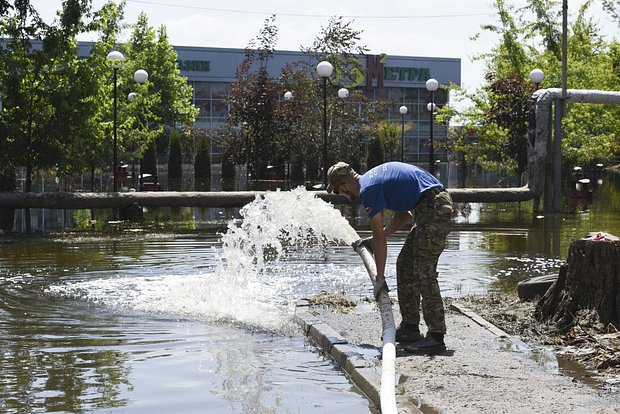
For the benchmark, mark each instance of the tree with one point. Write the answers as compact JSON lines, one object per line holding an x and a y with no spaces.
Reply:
{"x":530,"y":38}
{"x":175,"y":162}
{"x":357,"y":116}
{"x":376,"y":153}
{"x":96,"y":145}
{"x":253,"y":99}
{"x":390,"y":137}
{"x":202,"y":161}
{"x":38,"y":82}
{"x":508,"y":109}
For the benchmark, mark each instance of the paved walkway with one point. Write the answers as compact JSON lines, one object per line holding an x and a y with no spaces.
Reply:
{"x":482,"y":371}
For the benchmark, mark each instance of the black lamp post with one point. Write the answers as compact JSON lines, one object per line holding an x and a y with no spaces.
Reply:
{"x":115,"y":59}
{"x":140,"y":76}
{"x":431,"y":85}
{"x":343,"y":93}
{"x":324,"y":69}
{"x":403,"y":112}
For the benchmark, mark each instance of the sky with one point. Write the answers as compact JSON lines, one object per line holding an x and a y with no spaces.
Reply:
{"x":438,"y":28}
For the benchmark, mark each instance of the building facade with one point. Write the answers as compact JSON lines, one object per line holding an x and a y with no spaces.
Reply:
{"x":400,"y":78}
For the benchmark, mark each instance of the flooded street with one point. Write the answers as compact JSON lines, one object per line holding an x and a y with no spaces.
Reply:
{"x":162,"y":321}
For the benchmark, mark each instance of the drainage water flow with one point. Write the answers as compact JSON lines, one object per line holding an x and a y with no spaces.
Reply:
{"x":249,"y":286}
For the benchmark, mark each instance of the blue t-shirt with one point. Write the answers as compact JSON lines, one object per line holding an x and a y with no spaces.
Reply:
{"x":395,"y":186}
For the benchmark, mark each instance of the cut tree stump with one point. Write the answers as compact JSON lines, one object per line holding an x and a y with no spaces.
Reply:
{"x":588,"y":285}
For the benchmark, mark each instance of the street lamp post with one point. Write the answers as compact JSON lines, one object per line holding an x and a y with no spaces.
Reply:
{"x":115,"y":59}
{"x":324,"y":69}
{"x":288,"y":96}
{"x":431,"y":85}
{"x":403,"y":112}
{"x":140,"y":76}
{"x":536,"y":77}
{"x":343,"y":93}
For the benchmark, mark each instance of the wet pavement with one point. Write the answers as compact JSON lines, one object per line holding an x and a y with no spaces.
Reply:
{"x":483,"y":370}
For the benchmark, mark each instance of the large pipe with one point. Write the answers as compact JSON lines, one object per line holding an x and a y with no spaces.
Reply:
{"x":388,"y":360}
{"x":222,"y":199}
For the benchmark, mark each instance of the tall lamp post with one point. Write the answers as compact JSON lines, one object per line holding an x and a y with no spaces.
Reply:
{"x":431,"y":85}
{"x":115,"y":59}
{"x":343,"y":93}
{"x":140,"y":76}
{"x":536,"y":77}
{"x":403,"y":112}
{"x":324,"y":69}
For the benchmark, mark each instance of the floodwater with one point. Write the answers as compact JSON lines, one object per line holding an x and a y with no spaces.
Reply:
{"x":193,"y":321}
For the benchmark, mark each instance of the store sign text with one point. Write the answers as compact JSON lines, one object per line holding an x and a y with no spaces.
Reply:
{"x":195,"y":65}
{"x":375,"y":69}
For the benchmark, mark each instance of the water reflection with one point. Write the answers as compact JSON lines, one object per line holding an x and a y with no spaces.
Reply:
{"x":130,"y":330}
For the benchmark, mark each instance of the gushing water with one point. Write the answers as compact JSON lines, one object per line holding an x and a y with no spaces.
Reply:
{"x":250,"y":285}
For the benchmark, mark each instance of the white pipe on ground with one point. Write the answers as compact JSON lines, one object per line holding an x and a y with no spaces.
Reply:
{"x":388,"y":359}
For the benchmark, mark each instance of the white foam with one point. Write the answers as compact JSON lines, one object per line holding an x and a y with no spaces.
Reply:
{"x":250,"y":285}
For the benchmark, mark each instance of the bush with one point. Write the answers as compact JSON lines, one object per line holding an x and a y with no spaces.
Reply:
{"x":175,"y":161}
{"x":202,"y":164}
{"x":376,"y":153}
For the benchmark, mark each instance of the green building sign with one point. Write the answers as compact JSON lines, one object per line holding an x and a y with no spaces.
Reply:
{"x":195,"y":65}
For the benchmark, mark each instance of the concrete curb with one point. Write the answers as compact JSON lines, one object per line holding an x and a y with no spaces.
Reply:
{"x":479,"y":320}
{"x":364,"y":374}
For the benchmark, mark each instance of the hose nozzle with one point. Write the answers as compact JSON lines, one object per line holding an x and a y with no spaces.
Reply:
{"x":364,"y":242}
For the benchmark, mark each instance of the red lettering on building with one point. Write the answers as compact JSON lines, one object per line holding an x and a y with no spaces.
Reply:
{"x":374,"y":69}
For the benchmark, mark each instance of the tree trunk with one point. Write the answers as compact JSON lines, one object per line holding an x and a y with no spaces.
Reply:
{"x":588,"y":285}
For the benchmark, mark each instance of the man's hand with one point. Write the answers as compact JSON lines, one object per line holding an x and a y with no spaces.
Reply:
{"x":378,"y":287}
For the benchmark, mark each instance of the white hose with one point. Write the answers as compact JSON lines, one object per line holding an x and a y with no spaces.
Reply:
{"x":388,"y":360}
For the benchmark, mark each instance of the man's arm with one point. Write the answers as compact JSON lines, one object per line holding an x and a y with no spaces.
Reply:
{"x":379,"y":244}
{"x":380,"y":234}
{"x":398,"y":222}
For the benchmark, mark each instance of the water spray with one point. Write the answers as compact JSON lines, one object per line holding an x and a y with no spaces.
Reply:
{"x":388,"y":359}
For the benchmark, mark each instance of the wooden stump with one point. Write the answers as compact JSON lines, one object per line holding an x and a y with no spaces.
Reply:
{"x":588,"y":285}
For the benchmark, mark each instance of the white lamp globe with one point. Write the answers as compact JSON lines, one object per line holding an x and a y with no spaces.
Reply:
{"x":403,"y":110}
{"x":432,"y":85}
{"x":140,"y":76}
{"x":537,"y":76}
{"x":288,"y":95}
{"x":343,"y":93}
{"x":324,"y":69}
{"x":115,"y":58}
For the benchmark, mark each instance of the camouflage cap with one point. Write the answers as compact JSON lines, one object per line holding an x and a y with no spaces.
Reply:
{"x":338,"y":174}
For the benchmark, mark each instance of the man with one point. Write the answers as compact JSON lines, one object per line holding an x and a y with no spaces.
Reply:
{"x":403,"y":189}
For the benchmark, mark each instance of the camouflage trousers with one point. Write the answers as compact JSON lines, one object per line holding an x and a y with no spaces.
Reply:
{"x":416,"y":266}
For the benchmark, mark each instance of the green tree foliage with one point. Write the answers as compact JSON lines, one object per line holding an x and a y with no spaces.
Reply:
{"x":164,"y":100}
{"x":202,"y":160}
{"x":531,"y":38}
{"x":175,"y":161}
{"x":266,"y":129}
{"x":57,"y":107}
{"x":389,"y":134}
{"x":376,"y":153}
{"x":508,"y":110}
{"x":253,"y":99}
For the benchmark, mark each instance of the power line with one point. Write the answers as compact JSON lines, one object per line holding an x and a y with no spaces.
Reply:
{"x":435,"y":16}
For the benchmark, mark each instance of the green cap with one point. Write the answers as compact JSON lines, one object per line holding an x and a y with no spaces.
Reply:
{"x":337,"y":175}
